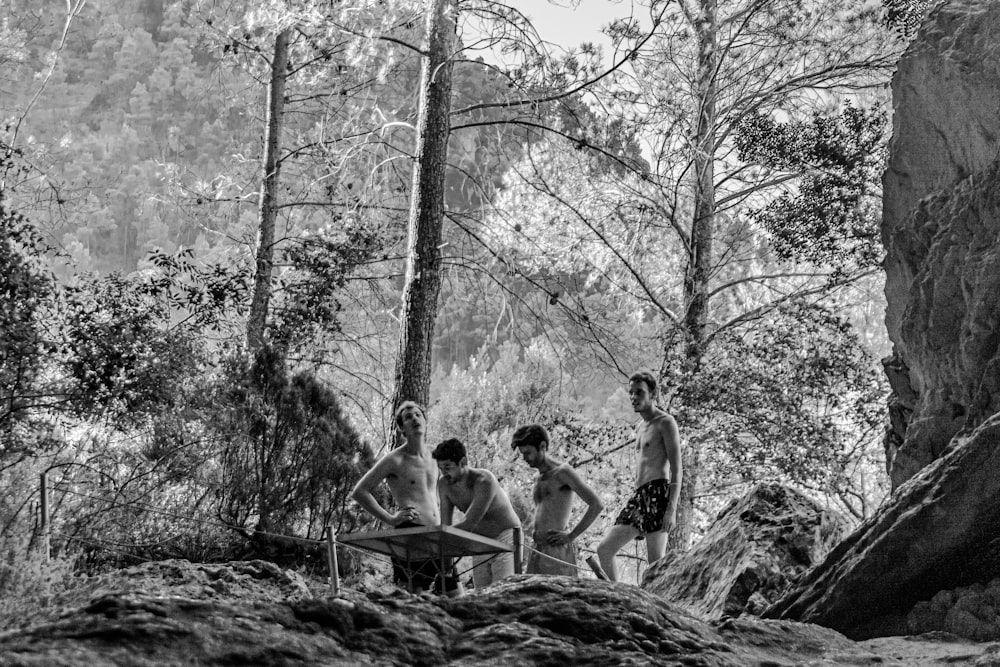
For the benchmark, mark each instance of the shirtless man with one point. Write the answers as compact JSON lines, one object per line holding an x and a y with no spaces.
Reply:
{"x":652,"y":510}
{"x":411,"y":475}
{"x":487,"y":509}
{"x":554,"y":548}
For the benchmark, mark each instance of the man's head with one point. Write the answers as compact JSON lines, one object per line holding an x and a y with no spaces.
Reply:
{"x":642,"y":390}
{"x":451,"y":459}
{"x":410,"y":418}
{"x":532,"y":442}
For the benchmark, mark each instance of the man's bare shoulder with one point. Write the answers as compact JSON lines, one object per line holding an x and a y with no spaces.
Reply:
{"x":392,"y":459}
{"x":666,"y":426}
{"x":481,"y":476}
{"x":563,"y":473}
{"x":663,"y":418}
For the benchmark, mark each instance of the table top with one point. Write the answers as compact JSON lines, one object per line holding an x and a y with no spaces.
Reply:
{"x":425,"y":542}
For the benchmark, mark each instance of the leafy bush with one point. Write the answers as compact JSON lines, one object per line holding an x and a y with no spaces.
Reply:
{"x":290,"y":458}
{"x":27,"y":578}
{"x":796,"y":399}
{"x":123,"y":354}
{"x":25,"y":286}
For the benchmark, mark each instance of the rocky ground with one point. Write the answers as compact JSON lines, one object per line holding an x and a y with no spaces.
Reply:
{"x":255,"y":613}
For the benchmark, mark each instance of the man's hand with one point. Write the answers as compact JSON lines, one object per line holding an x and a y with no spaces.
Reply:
{"x":557,"y":537}
{"x":670,"y":519}
{"x":408,"y":513}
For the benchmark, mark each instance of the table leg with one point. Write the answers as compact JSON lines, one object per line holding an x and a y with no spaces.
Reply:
{"x":443,"y":568}
{"x":331,"y":559}
{"x":518,"y":543}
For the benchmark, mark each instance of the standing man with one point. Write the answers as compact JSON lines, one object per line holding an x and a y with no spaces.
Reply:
{"x":554,"y":544}
{"x":488,"y":512}
{"x":652,"y":510}
{"x":411,"y":475}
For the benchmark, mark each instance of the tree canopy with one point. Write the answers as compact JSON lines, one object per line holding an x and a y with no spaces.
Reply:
{"x":218,"y":221}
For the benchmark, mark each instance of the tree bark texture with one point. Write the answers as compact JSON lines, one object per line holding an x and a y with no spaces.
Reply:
{"x":701,"y":259}
{"x":268,"y":207}
{"x":423,"y":266}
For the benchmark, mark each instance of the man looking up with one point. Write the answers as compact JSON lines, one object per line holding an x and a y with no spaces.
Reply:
{"x":554,"y":547}
{"x":411,"y":475}
{"x":652,"y":511}
{"x":488,"y":512}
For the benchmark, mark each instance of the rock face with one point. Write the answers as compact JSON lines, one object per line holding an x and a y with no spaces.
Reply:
{"x":941,"y":230}
{"x":755,"y":548}
{"x":969,"y":611}
{"x":940,"y":531}
{"x":179,"y":613}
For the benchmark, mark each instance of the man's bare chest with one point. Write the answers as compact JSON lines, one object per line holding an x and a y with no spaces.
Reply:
{"x":416,"y":480}
{"x":647,"y":438}
{"x":547,"y":489}
{"x":460,"y":495}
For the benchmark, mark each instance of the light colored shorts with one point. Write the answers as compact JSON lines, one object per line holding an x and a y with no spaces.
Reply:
{"x":552,"y":559}
{"x":493,"y":568}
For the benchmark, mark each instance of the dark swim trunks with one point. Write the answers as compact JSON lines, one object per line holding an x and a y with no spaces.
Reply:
{"x":422,"y":575}
{"x":645,"y":509}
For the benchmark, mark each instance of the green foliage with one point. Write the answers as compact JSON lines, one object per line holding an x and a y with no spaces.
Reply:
{"x":150,"y":136}
{"x":24,"y":285}
{"x":310,"y":291}
{"x":290,"y":458}
{"x":208,"y":295}
{"x":131,"y":122}
{"x":905,"y":15}
{"x":27,"y":579}
{"x":794,"y":399}
{"x":496,"y":392}
{"x":832,"y":219}
{"x":122,"y":354}
{"x":146,"y":494}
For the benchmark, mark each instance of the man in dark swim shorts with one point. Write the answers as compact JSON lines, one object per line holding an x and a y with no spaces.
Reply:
{"x":652,"y":511}
{"x":646,"y":508}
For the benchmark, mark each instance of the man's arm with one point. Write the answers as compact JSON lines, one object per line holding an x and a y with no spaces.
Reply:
{"x":447,"y":507}
{"x":483,"y":492}
{"x":671,"y":440}
{"x":362,"y":492}
{"x":570,"y":478}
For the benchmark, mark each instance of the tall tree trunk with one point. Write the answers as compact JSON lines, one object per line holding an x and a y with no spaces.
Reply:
{"x":268,"y":207}
{"x":423,"y":263}
{"x":696,"y":282}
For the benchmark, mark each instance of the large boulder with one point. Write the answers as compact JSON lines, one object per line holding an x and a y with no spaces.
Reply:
{"x":940,"y":531}
{"x":179,"y":613}
{"x":972,"y":612}
{"x":941,"y":230}
{"x":746,"y":560}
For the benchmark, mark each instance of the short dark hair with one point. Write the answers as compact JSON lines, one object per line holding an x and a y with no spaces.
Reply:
{"x":451,"y":449}
{"x":644,"y":376}
{"x":530,"y":435}
{"x":403,"y":406}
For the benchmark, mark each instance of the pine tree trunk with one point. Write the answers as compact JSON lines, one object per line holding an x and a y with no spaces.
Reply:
{"x":423,"y":267}
{"x":696,"y":282}
{"x":268,"y":208}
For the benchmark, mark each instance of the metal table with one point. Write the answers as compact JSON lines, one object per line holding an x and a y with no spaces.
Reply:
{"x":431,"y":543}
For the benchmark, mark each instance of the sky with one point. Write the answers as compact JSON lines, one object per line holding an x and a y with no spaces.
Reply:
{"x":564,"y":25}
